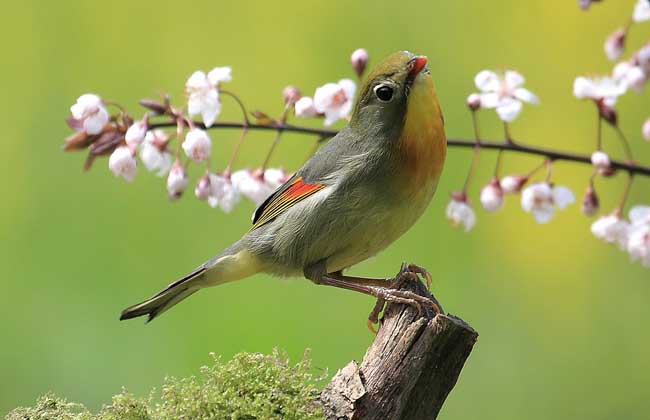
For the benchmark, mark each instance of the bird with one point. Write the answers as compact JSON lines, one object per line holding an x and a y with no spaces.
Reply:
{"x":354,"y":197}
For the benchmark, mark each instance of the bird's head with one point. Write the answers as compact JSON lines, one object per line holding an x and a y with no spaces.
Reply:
{"x":398,"y":110}
{"x":384,"y":97}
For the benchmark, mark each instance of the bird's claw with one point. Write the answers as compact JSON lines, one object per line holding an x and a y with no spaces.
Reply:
{"x":393,"y":293}
{"x":411,"y":272}
{"x":423,"y":272}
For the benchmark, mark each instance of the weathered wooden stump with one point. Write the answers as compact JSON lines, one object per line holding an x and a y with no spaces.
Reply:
{"x":409,"y":369}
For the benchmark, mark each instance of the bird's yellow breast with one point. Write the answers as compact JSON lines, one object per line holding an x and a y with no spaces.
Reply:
{"x":423,"y":143}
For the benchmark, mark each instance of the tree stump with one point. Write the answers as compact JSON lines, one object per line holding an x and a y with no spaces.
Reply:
{"x":408,"y":371}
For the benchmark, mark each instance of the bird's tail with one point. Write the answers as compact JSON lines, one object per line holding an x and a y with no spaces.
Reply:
{"x":235,"y":263}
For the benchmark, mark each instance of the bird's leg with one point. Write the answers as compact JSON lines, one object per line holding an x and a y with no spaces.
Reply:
{"x":373,"y":318}
{"x":385,"y":290}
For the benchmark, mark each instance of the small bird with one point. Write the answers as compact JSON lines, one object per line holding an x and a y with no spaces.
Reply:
{"x":354,"y":197}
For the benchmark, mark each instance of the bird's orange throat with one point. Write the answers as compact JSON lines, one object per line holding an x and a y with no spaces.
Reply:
{"x":423,"y":143}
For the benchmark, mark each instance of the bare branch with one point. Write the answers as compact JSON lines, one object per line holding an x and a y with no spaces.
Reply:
{"x":518,"y":147}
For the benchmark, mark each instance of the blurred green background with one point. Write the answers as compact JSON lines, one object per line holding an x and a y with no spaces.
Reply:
{"x":563,"y":317}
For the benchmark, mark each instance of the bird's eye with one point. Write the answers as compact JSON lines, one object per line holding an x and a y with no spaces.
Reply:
{"x":384,"y":93}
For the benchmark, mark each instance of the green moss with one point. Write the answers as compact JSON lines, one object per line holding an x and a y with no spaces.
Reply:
{"x":249,"y":387}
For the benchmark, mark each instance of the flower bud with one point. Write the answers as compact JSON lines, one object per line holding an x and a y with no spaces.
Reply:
{"x":600,"y":160}
{"x":492,"y":196}
{"x":459,"y":196}
{"x":154,"y":106}
{"x":203,"y":187}
{"x":646,"y":129}
{"x":615,"y":44}
{"x":513,"y":183}
{"x":136,"y":132}
{"x":305,"y":107}
{"x":359,"y":60}
{"x":78,"y":141}
{"x":176,"y":181}
{"x":460,"y":212}
{"x":585,"y":4}
{"x":291,"y":94}
{"x":474,"y":101}
{"x":642,"y":57}
{"x":590,"y":202}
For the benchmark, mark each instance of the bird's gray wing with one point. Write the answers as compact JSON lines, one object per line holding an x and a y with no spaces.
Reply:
{"x":307,"y":181}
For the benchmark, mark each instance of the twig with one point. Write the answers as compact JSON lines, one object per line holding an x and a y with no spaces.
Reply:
{"x":555,"y":155}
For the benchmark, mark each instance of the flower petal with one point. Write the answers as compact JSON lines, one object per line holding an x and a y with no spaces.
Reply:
{"x":514,"y":79}
{"x":219,"y":74}
{"x":487,"y":81}
{"x":640,"y":215}
{"x":543,"y":213}
{"x":490,"y":100}
{"x":526,"y":96}
{"x":509,"y":109}
{"x":563,"y":197}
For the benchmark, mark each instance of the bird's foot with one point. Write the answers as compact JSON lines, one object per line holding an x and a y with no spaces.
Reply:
{"x":393,"y":293}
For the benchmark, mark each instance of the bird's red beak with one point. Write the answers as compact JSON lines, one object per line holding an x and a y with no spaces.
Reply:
{"x":417,"y":64}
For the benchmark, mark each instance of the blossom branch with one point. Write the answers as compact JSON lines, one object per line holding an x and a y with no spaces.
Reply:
{"x":512,"y":146}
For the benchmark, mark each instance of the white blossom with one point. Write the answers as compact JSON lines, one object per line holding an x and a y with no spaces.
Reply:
{"x":640,"y":215}
{"x":615,"y":44}
{"x":89,"y":112}
{"x":504,"y":93}
{"x":223,"y":193}
{"x":645,"y":129}
{"x":541,"y":199}
{"x":136,"y":133}
{"x":123,"y":163}
{"x":154,"y":153}
{"x":257,"y":186}
{"x":335,"y":100}
{"x":203,"y":93}
{"x":275,"y":177}
{"x":176,"y":181}
{"x":251,"y":185}
{"x":641,"y":11}
{"x":305,"y":107}
{"x":611,"y":229}
{"x":629,"y":75}
{"x":197,"y":145}
{"x":638,"y":244}
{"x":492,"y":196}
{"x":604,"y":88}
{"x":461,"y":214}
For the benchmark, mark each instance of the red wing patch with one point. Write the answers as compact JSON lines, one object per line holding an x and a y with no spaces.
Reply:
{"x":295,"y":192}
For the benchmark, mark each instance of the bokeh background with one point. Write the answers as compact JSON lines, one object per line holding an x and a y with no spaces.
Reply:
{"x":563,"y":318}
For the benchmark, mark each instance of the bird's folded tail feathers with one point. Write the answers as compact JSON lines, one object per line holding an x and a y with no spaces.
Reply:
{"x":165,"y":299}
{"x":234,"y":263}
